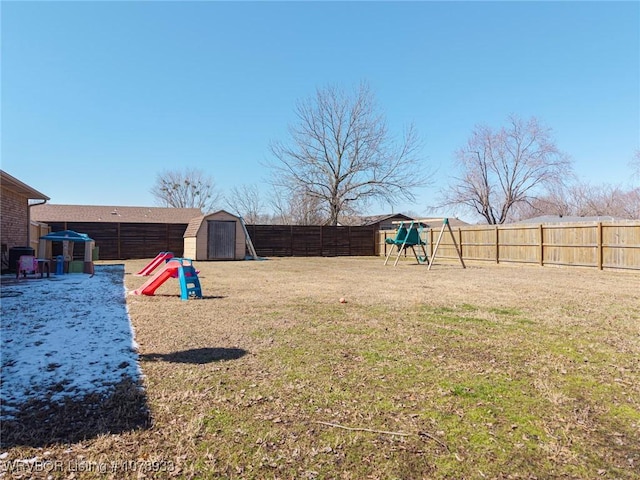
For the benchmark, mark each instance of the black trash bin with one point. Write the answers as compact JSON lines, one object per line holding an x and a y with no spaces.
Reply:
{"x":14,"y":255}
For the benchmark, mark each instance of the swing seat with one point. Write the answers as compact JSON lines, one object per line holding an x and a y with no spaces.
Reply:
{"x":401,"y":235}
{"x":407,"y":237}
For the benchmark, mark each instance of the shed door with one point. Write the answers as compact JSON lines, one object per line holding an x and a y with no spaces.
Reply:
{"x":222,"y":239}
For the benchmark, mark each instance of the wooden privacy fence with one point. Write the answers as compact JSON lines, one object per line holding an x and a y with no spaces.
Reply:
{"x":37,"y":230}
{"x":120,"y":241}
{"x":598,"y":245}
{"x":312,"y":240}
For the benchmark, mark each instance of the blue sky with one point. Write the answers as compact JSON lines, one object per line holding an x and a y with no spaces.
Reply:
{"x":100,"y":97}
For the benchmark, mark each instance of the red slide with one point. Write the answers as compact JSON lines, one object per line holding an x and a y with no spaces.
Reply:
{"x":149,"y":287}
{"x":161,"y":257}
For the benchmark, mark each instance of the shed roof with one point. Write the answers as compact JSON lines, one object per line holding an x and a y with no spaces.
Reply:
{"x":112,"y":214}
{"x":11,"y":183}
{"x":193,"y":227}
{"x":194,"y":223}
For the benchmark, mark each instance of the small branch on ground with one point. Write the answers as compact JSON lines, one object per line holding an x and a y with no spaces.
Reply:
{"x":386,"y":432}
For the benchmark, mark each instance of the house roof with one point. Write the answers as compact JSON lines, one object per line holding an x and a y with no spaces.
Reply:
{"x":373,"y":219}
{"x":13,"y":184}
{"x":111,"y":214}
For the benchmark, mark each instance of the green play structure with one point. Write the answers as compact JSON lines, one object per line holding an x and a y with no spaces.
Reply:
{"x":407,"y":236}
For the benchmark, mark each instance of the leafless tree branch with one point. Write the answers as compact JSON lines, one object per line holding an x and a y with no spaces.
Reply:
{"x":506,"y":168}
{"x":190,"y":188}
{"x":341,"y":154}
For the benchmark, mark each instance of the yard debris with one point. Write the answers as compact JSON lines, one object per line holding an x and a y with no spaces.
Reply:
{"x":386,"y":432}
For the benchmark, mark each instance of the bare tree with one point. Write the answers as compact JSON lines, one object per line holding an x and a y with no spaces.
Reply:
{"x":631,"y":204}
{"x":606,"y":200}
{"x":556,"y":201}
{"x":584,"y":200}
{"x":247,"y":202}
{"x":635,"y":164}
{"x":341,"y":153}
{"x":502,"y":169}
{"x":190,"y":188}
{"x":297,"y":209}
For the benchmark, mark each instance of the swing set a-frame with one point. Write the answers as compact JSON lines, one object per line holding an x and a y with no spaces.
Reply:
{"x":409,"y":236}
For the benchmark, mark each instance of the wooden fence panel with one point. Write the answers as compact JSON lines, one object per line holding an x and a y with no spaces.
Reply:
{"x":306,"y":241}
{"x":574,"y":245}
{"x":312,"y":240}
{"x":519,"y":245}
{"x":271,"y":240}
{"x":446,"y":248}
{"x":120,"y":241}
{"x":146,"y":240}
{"x":105,"y":236}
{"x":478,"y":244}
{"x":362,"y":241}
{"x":336,"y":241}
{"x":620,"y":246}
{"x":37,"y":230}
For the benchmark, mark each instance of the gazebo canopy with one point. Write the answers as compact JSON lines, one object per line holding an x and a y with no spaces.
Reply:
{"x":67,"y":236}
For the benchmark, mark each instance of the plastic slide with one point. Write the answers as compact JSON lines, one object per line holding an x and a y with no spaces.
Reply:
{"x":168,"y":271}
{"x":161,"y":257}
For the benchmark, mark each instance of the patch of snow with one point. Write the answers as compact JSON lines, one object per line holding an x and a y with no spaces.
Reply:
{"x":65,"y":336}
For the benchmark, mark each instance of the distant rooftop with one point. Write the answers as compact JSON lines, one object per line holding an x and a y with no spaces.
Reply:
{"x":104,"y":213}
{"x":375,"y":219}
{"x":568,"y":219}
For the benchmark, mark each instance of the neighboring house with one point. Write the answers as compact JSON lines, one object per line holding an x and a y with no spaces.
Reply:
{"x":391,"y":221}
{"x":388,"y":221}
{"x":17,"y":203}
{"x":122,"y":232}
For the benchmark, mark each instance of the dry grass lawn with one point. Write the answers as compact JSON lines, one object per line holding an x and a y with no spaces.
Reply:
{"x":501,"y":372}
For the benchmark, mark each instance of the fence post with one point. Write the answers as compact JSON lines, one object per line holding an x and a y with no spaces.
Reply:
{"x":541,"y":246}
{"x":497,"y":244}
{"x":291,"y":239}
{"x":119,"y":240}
{"x":460,"y":241}
{"x":600,"y":250}
{"x":431,"y":243}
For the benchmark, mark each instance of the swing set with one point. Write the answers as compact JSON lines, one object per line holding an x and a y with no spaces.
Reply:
{"x":409,"y":236}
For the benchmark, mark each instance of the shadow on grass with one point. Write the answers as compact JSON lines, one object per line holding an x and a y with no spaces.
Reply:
{"x":42,"y":422}
{"x":198,"y":356}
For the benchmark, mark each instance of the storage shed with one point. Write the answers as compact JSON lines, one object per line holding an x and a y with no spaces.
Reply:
{"x":216,"y":236}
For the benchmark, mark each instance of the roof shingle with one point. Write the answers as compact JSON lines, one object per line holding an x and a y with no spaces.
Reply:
{"x":49,"y":212}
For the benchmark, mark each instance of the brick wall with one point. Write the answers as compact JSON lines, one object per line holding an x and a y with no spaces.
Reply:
{"x":15,"y":219}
